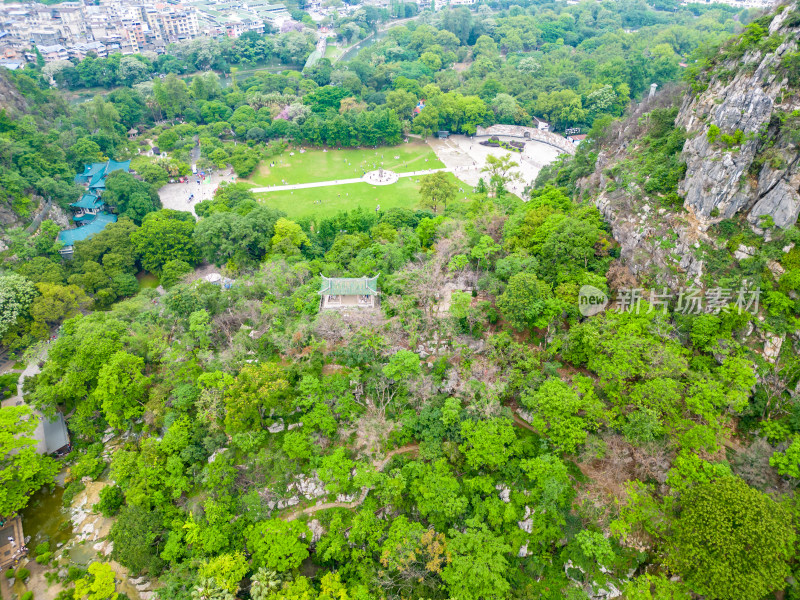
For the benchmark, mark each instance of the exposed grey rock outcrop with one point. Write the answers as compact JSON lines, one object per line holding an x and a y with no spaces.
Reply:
{"x":641,"y":233}
{"x":720,"y":178}
{"x":60,"y":217}
{"x":781,"y":202}
{"x":755,"y":172}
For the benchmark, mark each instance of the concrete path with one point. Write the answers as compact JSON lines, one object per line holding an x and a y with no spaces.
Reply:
{"x":317,"y":184}
{"x":466,"y":155}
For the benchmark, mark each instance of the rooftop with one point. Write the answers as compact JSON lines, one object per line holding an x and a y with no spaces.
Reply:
{"x":49,"y":49}
{"x":96,"y":173}
{"x":54,"y":433}
{"x":344,"y":286}
{"x":69,"y":236}
{"x":11,"y":542}
{"x":88,"y":200}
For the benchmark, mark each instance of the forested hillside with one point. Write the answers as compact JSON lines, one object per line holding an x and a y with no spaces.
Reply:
{"x":479,"y":434}
{"x":569,"y":64}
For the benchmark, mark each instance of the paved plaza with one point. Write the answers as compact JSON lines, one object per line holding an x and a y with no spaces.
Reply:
{"x":466,"y":158}
{"x":177,"y":196}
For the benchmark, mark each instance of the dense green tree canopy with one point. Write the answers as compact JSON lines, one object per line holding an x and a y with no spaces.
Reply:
{"x":731,"y":541}
{"x":165,"y":235}
{"x":473,"y":435}
{"x":131,"y":198}
{"x":22,"y":469}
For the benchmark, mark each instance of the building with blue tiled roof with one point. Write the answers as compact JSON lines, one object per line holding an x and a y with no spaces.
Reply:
{"x":69,"y":236}
{"x":96,"y":173}
{"x":90,"y":214}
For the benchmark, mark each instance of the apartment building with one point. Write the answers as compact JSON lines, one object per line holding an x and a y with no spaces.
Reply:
{"x":81,"y":51}
{"x":129,"y":26}
{"x":54,"y":52}
{"x":173,"y":26}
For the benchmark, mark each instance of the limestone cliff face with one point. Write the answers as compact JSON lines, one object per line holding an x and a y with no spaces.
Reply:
{"x":749,"y":164}
{"x":11,"y":99}
{"x":758,"y":171}
{"x":657,"y":244}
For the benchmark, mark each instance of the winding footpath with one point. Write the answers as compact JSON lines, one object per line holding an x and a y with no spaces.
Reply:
{"x":318,"y":184}
{"x":378,"y":464}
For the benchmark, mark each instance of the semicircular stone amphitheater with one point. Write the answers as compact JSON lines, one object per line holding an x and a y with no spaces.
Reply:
{"x":528,"y":133}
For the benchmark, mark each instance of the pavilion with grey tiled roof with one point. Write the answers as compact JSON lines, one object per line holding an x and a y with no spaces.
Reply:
{"x":346,"y":292}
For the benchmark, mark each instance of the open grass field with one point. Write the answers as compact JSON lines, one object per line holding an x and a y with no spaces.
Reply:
{"x":318,"y":165}
{"x":333,"y":52}
{"x":326,"y":201}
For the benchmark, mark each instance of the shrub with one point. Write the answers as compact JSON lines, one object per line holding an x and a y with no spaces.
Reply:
{"x":8,"y":385}
{"x":111,"y":500}
{"x":787,"y":463}
{"x":10,"y":574}
{"x":729,"y":140}
{"x":23,"y":573}
{"x":790,"y":64}
{"x":27,"y":596}
{"x":43,"y":554}
{"x":753,"y":34}
{"x":42,"y":548}
{"x":732,"y":140}
{"x":73,"y":489}
{"x":89,"y":464}
{"x":173,"y":271}
{"x":793,"y":20}
{"x":642,"y":426}
{"x":74,"y":573}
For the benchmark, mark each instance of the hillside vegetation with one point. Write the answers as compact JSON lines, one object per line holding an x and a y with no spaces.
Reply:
{"x":479,"y":435}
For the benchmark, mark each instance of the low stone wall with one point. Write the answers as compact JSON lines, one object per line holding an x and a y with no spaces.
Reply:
{"x":528,"y":133}
{"x":41,"y":216}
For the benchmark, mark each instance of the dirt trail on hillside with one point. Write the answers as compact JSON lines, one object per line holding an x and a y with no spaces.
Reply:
{"x":378,"y":464}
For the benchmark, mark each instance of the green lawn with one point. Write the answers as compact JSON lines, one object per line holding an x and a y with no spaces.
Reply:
{"x":326,"y":201}
{"x":317,"y":165}
{"x":147,"y":280}
{"x":333,"y":52}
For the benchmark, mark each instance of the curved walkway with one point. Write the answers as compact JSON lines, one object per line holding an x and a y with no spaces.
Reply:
{"x":317,"y":184}
{"x":378,"y":464}
{"x":528,"y":133}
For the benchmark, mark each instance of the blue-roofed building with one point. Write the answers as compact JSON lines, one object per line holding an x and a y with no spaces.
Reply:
{"x":68,"y":237}
{"x":97,"y":172}
{"x":87,"y":207}
{"x":89,"y":172}
{"x":90,"y":214}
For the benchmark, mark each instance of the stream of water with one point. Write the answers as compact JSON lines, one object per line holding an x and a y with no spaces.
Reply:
{"x":45,"y":519}
{"x":352,"y":52}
